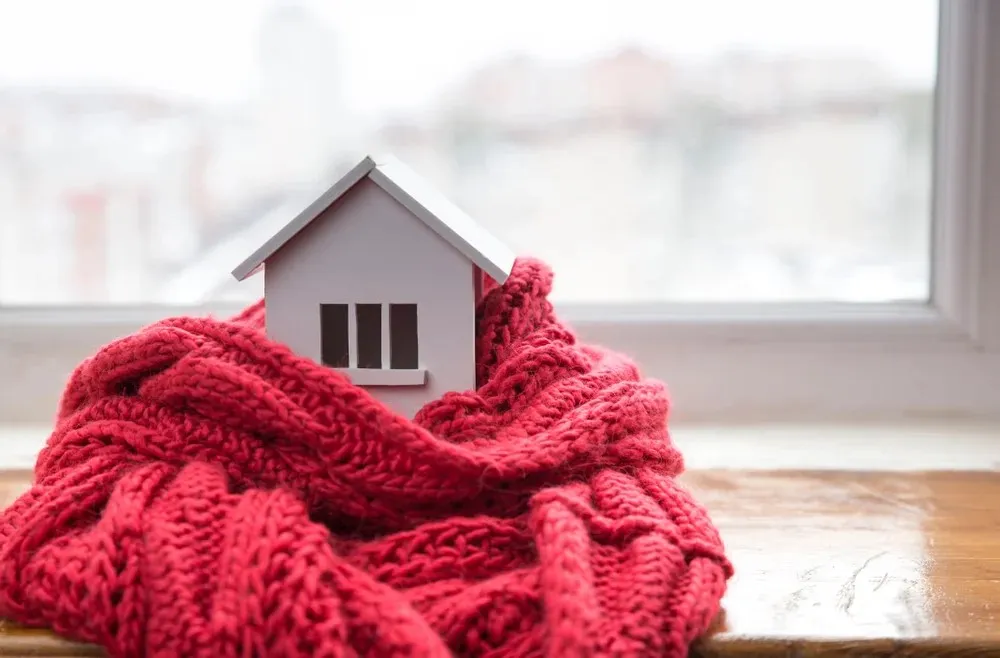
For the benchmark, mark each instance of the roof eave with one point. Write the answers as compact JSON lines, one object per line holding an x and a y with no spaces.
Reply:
{"x":254,"y":262}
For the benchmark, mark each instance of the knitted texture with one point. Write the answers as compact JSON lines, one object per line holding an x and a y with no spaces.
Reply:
{"x":206,"y":492}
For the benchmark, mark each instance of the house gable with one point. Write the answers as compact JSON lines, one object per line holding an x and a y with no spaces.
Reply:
{"x":423,"y":201}
{"x":365,"y":247}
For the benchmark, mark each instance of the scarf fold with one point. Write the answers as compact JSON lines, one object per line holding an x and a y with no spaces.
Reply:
{"x":206,"y":492}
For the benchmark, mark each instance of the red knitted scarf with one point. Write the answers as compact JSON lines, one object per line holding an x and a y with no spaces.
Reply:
{"x":206,"y":492}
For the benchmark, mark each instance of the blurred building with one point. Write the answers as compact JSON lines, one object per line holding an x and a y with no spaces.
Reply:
{"x":103,"y":187}
{"x":301,"y":121}
{"x":117,"y":191}
{"x":638,"y":177}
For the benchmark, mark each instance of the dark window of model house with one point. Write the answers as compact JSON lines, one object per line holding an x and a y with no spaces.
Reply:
{"x":369,"y":318}
{"x":403,"y":336}
{"x":334,"y":343}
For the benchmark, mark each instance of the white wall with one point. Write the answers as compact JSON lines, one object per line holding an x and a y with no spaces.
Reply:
{"x":369,"y":249}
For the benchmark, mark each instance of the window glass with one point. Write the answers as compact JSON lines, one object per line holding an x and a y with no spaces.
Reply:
{"x":369,"y":323}
{"x":403,"y":348}
{"x":334,"y":341}
{"x":649,"y":150}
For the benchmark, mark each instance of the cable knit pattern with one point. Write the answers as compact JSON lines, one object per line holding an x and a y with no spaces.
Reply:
{"x":206,"y":492}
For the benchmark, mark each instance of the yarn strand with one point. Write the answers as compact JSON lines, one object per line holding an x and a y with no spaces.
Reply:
{"x":207,"y":492}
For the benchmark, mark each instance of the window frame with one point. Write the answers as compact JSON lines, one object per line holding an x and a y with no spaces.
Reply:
{"x":352,"y":333}
{"x":738,"y":362}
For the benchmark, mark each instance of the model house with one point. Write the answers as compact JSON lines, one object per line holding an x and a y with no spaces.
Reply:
{"x":379,"y":278}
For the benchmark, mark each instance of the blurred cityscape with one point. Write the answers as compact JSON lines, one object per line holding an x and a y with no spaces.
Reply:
{"x":749,"y":177}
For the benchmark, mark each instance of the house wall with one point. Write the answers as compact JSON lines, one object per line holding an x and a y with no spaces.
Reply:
{"x":368,"y":248}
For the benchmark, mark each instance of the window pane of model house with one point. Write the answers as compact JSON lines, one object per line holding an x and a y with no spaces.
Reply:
{"x":648,"y":150}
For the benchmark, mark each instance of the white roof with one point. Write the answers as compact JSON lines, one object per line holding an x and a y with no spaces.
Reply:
{"x":426,"y":203}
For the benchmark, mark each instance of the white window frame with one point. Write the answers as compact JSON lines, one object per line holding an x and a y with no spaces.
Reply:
{"x":741,"y":362}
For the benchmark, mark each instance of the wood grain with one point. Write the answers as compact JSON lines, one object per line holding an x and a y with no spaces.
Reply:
{"x":857,"y":563}
{"x":828,"y":565}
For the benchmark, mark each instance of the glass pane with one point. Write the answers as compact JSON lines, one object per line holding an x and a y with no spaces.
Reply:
{"x":649,"y":150}
{"x":334,"y":334}
{"x":404,"y":344}
{"x":369,"y":319}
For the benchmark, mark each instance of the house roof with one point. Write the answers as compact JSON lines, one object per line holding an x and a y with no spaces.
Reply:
{"x":427,"y":204}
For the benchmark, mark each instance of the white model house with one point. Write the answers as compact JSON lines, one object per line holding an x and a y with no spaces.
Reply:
{"x":379,"y":278}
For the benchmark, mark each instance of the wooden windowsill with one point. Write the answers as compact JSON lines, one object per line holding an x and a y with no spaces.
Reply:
{"x":829,"y":561}
{"x":856,"y":563}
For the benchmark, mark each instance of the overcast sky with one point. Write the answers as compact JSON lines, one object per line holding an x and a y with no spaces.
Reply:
{"x":399,"y":52}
